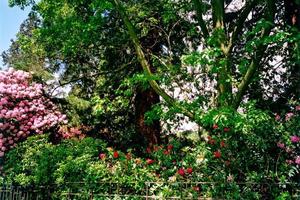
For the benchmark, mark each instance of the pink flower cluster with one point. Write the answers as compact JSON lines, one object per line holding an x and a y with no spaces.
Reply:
{"x":295,"y":139}
{"x":294,"y":157}
{"x":65,"y":132}
{"x":24,"y":110}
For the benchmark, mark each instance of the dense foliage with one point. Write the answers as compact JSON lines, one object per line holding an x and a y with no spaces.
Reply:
{"x":135,"y":71}
{"x":219,"y":166}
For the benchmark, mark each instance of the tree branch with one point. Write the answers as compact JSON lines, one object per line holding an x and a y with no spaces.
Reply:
{"x":254,"y":65}
{"x":240,"y":22}
{"x":93,"y":75}
{"x":145,"y":65}
{"x":218,"y":13}
{"x":198,"y":8}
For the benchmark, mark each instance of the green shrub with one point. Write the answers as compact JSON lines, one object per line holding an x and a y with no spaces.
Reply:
{"x":238,"y":158}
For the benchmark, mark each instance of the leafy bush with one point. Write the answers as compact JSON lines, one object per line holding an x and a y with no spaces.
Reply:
{"x":248,"y":155}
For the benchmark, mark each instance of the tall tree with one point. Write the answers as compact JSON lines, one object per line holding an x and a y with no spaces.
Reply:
{"x":235,"y":48}
{"x":292,"y":17}
{"x":220,"y":40}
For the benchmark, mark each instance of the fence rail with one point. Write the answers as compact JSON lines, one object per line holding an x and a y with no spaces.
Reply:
{"x":148,"y":191}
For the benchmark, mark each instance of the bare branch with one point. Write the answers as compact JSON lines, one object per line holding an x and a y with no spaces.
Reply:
{"x":93,"y":75}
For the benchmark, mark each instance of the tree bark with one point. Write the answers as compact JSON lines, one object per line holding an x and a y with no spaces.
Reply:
{"x":292,"y":17}
{"x":144,"y":101}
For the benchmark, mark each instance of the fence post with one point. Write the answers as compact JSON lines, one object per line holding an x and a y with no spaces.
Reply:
{"x":147,"y":190}
{"x":92,"y":195}
{"x":10,"y":192}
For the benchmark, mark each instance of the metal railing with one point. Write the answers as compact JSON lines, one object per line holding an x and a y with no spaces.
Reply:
{"x":149,"y":191}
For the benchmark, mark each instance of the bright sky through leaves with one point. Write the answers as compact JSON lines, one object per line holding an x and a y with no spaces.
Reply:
{"x":10,"y":21}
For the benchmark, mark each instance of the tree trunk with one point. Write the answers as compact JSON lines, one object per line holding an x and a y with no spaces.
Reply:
{"x":292,"y":15}
{"x":144,"y":101}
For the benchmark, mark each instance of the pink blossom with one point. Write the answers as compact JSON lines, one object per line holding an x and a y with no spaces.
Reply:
{"x":295,"y":139}
{"x":289,"y":162}
{"x":288,"y":116}
{"x":102,"y":156}
{"x":297,"y":160}
{"x":24,"y":115}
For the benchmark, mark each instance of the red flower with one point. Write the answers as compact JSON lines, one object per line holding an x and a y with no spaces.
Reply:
{"x":148,"y":150}
{"x":116,"y":154}
{"x":222,"y":144}
{"x":196,"y":188}
{"x":102,"y":156}
{"x":215,"y":126}
{"x":156,"y":148}
{"x":128,"y":156}
{"x":226,"y":129}
{"x":227,"y":163}
{"x":181,"y":172}
{"x":189,"y":170}
{"x":170,"y":147}
{"x":217,"y":154}
{"x":149,"y":161}
{"x":212,"y":142}
{"x":166,"y":152}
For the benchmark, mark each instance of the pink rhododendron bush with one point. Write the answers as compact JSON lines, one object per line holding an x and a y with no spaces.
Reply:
{"x":24,"y":109}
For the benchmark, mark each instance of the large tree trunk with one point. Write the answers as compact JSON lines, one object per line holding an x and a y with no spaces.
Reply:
{"x":292,"y":15}
{"x":144,"y":101}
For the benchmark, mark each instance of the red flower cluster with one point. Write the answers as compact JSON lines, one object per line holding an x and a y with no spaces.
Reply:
{"x":116,"y":154}
{"x":148,"y":150}
{"x":196,"y":188}
{"x":166,"y":152}
{"x":128,"y":156}
{"x":226,"y":129}
{"x":215,"y":126}
{"x":189,"y":170}
{"x":217,"y":154}
{"x":170,"y":147}
{"x":149,"y":161}
{"x":182,"y":172}
{"x":211,"y":141}
{"x":227,"y":163}
{"x":222,"y":144}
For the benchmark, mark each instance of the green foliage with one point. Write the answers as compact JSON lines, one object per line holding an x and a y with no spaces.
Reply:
{"x":238,"y":142}
{"x":38,"y":162}
{"x":21,"y":3}
{"x":76,"y":109}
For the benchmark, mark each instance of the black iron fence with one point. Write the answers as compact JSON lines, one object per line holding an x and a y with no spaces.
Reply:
{"x":151,"y":190}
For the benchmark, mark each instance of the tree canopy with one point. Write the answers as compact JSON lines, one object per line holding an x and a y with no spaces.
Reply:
{"x":198,"y":56}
